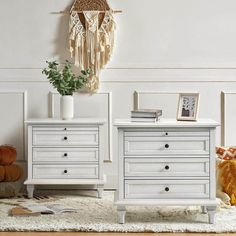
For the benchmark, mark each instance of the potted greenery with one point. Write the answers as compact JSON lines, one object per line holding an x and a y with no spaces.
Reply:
{"x":66,"y":83}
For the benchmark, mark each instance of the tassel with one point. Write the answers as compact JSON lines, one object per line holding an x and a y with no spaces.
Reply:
{"x":91,"y":46}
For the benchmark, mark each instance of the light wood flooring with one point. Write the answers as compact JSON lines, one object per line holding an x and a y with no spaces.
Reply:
{"x":103,"y":234}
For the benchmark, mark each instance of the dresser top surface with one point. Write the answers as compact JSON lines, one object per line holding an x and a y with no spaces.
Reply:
{"x":127,"y":123}
{"x":78,"y":121}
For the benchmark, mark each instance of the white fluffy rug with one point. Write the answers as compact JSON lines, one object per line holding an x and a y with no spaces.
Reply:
{"x":100,"y":215}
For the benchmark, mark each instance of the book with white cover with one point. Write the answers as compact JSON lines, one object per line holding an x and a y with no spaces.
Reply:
{"x":48,"y":208}
{"x":135,"y":119}
{"x":146,"y":113}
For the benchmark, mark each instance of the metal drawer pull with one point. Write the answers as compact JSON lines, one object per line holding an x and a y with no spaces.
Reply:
{"x":167,"y":167}
{"x":65,"y":129}
{"x":65,"y":138}
{"x":166,"y":134}
{"x":65,"y":171}
{"x":167,"y":146}
{"x":65,"y":154}
{"x":167,"y":189}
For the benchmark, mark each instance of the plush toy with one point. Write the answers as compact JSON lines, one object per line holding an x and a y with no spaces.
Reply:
{"x":226,"y":176}
{"x":7,"y":155}
{"x":226,"y":153}
{"x":219,"y":188}
{"x":228,"y":179}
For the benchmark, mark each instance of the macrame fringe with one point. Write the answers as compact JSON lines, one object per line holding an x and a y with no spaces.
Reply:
{"x":91,"y":46}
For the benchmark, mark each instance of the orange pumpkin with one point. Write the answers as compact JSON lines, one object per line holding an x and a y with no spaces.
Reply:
{"x":7,"y":155}
{"x":2,"y":173}
{"x":10,"y":173}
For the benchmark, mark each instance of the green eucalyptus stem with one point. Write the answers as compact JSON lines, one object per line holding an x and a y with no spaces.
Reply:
{"x":65,"y":81}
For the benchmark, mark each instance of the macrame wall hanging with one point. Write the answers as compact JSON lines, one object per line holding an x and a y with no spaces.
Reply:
{"x":91,"y":36}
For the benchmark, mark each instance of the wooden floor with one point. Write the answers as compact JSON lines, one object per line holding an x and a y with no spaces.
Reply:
{"x":104,"y":234}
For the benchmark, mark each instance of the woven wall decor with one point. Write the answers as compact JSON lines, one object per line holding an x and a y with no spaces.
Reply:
{"x":91,"y":38}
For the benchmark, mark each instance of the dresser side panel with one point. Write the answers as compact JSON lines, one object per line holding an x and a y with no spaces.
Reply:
{"x":29,"y":151}
{"x":120,"y":164}
{"x":212,"y":165}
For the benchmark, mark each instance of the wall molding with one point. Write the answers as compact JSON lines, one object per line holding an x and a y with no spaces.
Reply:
{"x":51,"y":97}
{"x":25,"y":114}
{"x":134,"y":66}
{"x":137,"y":94}
{"x":222,"y":118}
{"x":137,"y":75}
{"x":223,"y":115}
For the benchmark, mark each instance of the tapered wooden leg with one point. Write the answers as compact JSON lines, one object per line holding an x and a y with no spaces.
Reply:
{"x":30,"y":190}
{"x":211,"y":214}
{"x":204,"y":209}
{"x":100,"y":188}
{"x":121,"y":214}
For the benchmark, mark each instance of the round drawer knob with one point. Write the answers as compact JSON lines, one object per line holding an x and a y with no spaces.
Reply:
{"x":65,"y":138}
{"x":167,"y":167}
{"x":167,"y":189}
{"x":166,"y":134}
{"x":65,"y":154}
{"x":65,"y":129}
{"x":65,"y":171}
{"x":167,"y":146}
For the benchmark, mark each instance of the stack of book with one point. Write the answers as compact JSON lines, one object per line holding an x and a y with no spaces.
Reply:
{"x":145,"y":115}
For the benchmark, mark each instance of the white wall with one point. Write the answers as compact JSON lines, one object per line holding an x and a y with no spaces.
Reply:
{"x":162,"y":46}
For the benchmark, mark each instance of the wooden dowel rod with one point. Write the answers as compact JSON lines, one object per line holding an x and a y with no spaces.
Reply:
{"x":67,"y":12}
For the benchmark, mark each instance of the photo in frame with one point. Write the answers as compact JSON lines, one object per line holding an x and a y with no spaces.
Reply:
{"x":188,"y":106}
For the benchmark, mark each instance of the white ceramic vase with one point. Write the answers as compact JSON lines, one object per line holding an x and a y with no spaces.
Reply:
{"x":67,"y":107}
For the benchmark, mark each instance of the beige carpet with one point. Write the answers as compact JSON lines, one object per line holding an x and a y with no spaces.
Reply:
{"x":100,"y":215}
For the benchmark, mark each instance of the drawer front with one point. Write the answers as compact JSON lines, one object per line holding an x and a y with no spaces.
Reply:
{"x":65,"y":138}
{"x":188,"y":146}
{"x":65,"y":155}
{"x":166,"y":189}
{"x":169,"y":133}
{"x":65,"y":128}
{"x":153,"y":167}
{"x":65,"y":171}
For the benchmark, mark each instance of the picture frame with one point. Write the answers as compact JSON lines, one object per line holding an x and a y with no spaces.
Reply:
{"x":188,"y":106}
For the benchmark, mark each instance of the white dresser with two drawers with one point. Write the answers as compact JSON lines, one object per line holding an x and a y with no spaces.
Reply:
{"x":67,"y":152}
{"x":166,"y":163}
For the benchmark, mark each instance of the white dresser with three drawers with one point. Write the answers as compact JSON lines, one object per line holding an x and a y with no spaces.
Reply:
{"x":166,"y":163}
{"x":65,"y":152}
